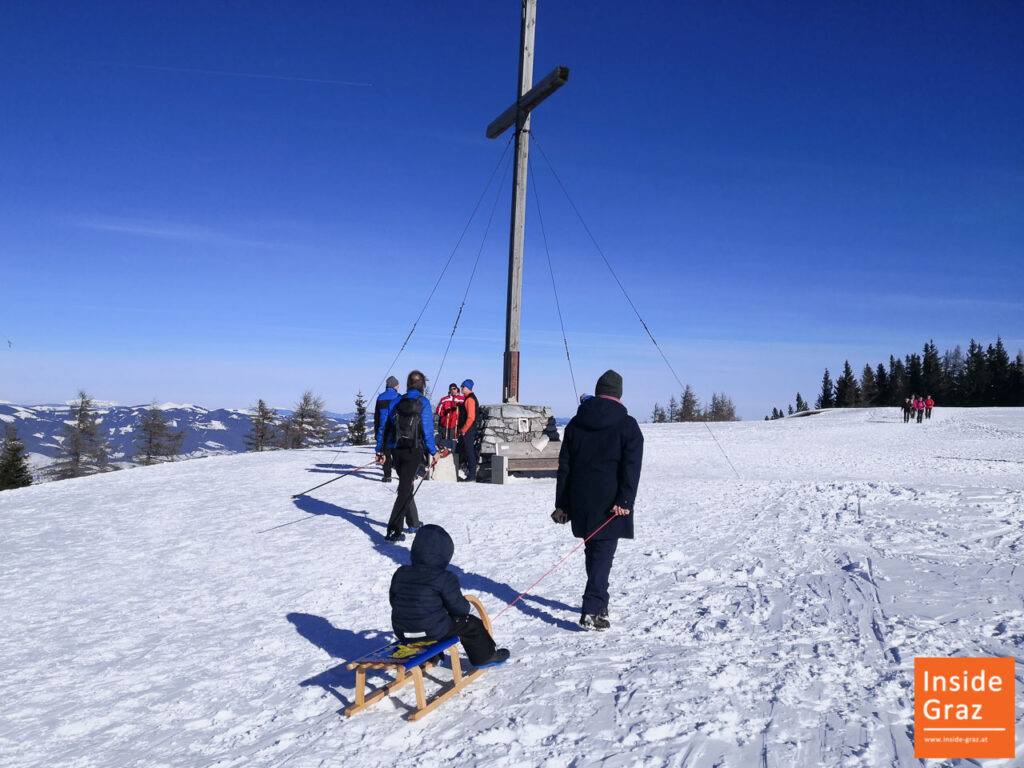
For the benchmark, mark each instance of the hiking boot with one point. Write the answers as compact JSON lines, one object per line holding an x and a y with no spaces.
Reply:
{"x":413,"y":528}
{"x":395,"y":537}
{"x":604,"y":613}
{"x":385,"y":479}
{"x":500,"y":657}
{"x":594,"y":621}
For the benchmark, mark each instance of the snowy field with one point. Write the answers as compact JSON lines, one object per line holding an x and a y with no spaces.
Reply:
{"x":194,"y":614}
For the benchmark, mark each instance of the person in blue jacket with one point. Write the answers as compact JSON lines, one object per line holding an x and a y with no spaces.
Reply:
{"x":381,"y":411}
{"x":427,"y":603}
{"x":598,"y":474}
{"x":409,"y":433}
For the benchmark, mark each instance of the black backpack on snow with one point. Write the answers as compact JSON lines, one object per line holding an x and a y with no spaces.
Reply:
{"x":408,"y":421}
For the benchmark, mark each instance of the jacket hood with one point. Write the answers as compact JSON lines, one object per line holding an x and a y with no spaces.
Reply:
{"x":599,"y":413}
{"x":432,"y":547}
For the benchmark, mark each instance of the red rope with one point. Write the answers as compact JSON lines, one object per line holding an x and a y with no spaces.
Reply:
{"x":538,"y":581}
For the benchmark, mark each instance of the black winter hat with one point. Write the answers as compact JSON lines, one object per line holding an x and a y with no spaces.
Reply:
{"x":610,"y":384}
{"x":392,"y":381}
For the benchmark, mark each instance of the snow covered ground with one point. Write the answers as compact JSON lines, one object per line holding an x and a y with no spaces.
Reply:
{"x":194,"y":614}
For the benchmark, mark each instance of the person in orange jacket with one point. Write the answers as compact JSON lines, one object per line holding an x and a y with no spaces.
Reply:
{"x":468,"y":413}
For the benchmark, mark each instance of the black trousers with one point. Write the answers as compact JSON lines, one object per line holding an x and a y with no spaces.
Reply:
{"x":467,"y":445}
{"x":388,"y":463}
{"x":599,"y":556}
{"x":476,"y":640}
{"x":407,"y":464}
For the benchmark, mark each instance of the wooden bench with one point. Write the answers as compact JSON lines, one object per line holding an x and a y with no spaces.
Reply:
{"x":409,"y":661}
{"x":537,"y":456}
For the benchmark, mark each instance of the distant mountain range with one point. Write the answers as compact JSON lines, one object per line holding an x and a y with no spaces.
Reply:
{"x":207,"y":432}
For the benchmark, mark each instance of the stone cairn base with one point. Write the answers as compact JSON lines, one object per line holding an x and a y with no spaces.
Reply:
{"x":521,"y":427}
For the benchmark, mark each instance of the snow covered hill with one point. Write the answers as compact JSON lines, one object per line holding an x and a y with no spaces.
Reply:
{"x":767,"y":614}
{"x":207,"y":432}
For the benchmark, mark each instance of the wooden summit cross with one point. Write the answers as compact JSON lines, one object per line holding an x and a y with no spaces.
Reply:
{"x":519,"y":115}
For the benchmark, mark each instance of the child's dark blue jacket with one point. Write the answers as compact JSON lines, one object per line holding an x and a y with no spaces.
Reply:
{"x":425,"y":596}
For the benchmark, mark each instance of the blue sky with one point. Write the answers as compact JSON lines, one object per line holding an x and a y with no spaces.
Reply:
{"x":217,"y":202}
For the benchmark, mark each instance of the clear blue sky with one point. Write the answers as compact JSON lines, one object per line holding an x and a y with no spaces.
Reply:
{"x":216,"y":202}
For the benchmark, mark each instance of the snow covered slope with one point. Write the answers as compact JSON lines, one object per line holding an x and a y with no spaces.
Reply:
{"x":194,"y":614}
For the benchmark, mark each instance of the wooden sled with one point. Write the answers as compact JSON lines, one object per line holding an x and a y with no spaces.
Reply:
{"x":409,"y":661}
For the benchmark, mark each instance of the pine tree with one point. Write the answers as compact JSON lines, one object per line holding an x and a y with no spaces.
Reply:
{"x":791,"y":411}
{"x":357,"y":427}
{"x":952,"y":379}
{"x":689,"y":410}
{"x":14,"y":471}
{"x":882,"y":385}
{"x":801,"y":404}
{"x":915,"y":375}
{"x":868,"y":387}
{"x":154,"y":439}
{"x":658,"y":415}
{"x":83,"y":450}
{"x":931,"y":369}
{"x":264,"y":426}
{"x":1017,"y":381}
{"x":976,"y":376}
{"x":308,"y":424}
{"x":673,"y":409}
{"x":827,"y":397}
{"x":897,"y":381}
{"x":998,"y":361}
{"x":847,"y":391}
{"x":722,"y":409}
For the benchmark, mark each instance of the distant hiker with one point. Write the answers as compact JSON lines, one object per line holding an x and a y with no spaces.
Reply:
{"x":409,"y":433}
{"x":381,"y":411}
{"x":919,"y":407}
{"x":468,"y":413}
{"x":427,"y":603}
{"x":598,"y":474}
{"x":928,"y":405}
{"x":908,"y":409}
{"x":448,"y":416}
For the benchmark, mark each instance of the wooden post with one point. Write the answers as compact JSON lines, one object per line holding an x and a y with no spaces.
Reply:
{"x":510,"y":379}
{"x":519,"y":115}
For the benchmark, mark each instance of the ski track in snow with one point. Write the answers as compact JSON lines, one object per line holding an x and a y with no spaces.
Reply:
{"x":194,"y":614}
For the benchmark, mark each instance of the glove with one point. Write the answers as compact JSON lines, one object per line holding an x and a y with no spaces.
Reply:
{"x":380,"y":458}
{"x":560,"y":516}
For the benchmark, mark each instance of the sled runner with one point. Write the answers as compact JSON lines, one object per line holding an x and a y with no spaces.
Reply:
{"x":409,"y":661}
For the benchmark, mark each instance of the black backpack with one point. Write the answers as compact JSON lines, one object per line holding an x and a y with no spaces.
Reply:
{"x":408,"y":420}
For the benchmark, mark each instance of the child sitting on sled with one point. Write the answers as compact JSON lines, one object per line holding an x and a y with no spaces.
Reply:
{"x":427,"y":603}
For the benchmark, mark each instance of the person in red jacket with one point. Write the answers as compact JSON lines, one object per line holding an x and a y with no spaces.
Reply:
{"x":448,"y":416}
{"x":928,"y":405}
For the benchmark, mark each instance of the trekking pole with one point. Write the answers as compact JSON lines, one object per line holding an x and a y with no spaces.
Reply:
{"x":346,"y":474}
{"x":538,"y":581}
{"x":425,"y":473}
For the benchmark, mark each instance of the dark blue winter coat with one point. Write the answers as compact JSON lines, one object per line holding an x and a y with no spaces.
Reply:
{"x":599,"y":467}
{"x":386,"y":437}
{"x":386,"y":401}
{"x":425,"y":596}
